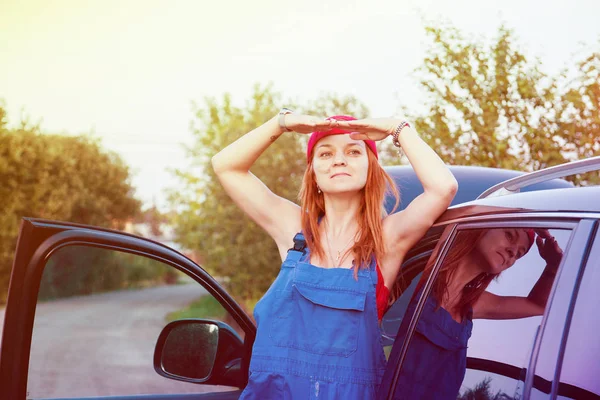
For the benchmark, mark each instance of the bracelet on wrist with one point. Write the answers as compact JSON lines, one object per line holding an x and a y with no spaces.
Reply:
{"x":396,"y":133}
{"x":281,"y":120}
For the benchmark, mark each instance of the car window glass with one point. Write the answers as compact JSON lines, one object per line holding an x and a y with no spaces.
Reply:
{"x":581,"y":365}
{"x":493,"y":285}
{"x":97,"y":320}
{"x":406,"y":282}
{"x":395,"y":314}
{"x":557,"y":317}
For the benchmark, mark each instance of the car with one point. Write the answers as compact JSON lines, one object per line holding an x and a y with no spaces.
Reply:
{"x":86,"y":318}
{"x":472,"y":180}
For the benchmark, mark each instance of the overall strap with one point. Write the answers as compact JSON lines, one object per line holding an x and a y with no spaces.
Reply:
{"x":299,"y":249}
{"x":373,"y":271}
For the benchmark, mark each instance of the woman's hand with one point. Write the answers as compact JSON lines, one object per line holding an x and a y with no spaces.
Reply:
{"x":307,"y":123}
{"x":370,"y":128}
{"x":548,"y":248}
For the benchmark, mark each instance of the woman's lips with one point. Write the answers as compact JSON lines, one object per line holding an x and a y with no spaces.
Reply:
{"x":501,"y":256}
{"x":340,"y":174}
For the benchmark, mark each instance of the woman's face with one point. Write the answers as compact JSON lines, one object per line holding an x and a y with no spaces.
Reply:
{"x":340,"y":164}
{"x":500,"y":248}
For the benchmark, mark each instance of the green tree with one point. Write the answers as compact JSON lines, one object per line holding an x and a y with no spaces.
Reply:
{"x":578,"y":113}
{"x":154,"y":218}
{"x":483,"y":391}
{"x":58,"y":177}
{"x":489,"y":105}
{"x":207,"y":221}
{"x":83,"y":270}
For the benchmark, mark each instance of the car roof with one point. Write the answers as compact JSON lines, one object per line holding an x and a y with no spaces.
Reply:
{"x":472,"y":181}
{"x":567,"y":200}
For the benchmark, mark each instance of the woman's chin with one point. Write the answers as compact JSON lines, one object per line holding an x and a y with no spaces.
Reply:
{"x":493,"y":269}
{"x":496,"y":270}
{"x":343,"y":190}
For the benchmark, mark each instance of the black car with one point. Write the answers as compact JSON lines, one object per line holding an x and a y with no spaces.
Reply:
{"x":67,"y":336}
{"x":473,"y":181}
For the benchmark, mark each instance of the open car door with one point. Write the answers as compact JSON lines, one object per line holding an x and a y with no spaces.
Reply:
{"x":98,"y":313}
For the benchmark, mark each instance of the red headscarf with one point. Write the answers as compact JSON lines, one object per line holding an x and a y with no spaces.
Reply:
{"x":316,"y":136}
{"x":531,"y":236}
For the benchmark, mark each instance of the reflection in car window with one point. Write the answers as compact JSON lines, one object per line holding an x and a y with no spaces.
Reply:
{"x":406,"y":283}
{"x":393,"y":317}
{"x":98,"y":317}
{"x":486,"y":304}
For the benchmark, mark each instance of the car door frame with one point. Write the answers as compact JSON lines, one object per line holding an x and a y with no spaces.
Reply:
{"x":555,"y":387}
{"x":38,"y":240}
{"x":583,"y":228}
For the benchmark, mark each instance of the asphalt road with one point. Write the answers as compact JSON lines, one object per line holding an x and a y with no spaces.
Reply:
{"x":103,"y":344}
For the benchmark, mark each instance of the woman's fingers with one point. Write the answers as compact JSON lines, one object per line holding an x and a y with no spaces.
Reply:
{"x":368,"y":136}
{"x":306,"y":123}
{"x":549,"y":249}
{"x":316,"y":126}
{"x":543,"y":233}
{"x":380,"y":125}
{"x":363,"y":129}
{"x":539,"y":242}
{"x":555,"y":246}
{"x":356,"y":126}
{"x":360,"y":136}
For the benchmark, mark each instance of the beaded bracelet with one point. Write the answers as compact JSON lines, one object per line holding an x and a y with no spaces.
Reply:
{"x":396,"y":133}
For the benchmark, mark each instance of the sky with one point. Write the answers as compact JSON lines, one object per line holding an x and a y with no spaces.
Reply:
{"x":128,"y":71}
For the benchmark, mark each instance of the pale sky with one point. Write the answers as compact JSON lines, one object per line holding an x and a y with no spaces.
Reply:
{"x":128,"y":70}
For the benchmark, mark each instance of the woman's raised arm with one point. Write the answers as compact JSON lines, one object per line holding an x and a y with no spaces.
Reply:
{"x":279,"y":217}
{"x":491,"y":306}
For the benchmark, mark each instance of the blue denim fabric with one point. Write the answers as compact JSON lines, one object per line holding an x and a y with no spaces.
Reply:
{"x":436,"y":359}
{"x":318,"y":336}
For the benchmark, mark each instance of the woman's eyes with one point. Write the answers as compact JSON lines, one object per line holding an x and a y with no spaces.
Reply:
{"x":353,"y":152}
{"x":509,"y":235}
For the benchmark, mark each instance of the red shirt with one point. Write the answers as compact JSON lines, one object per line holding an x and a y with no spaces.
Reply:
{"x":382,"y":293}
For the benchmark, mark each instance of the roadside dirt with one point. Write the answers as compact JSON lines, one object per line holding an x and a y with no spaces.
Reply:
{"x":103,"y":344}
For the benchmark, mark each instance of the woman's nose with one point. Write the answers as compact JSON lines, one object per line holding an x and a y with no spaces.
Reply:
{"x":339,"y":159}
{"x":510,"y":253}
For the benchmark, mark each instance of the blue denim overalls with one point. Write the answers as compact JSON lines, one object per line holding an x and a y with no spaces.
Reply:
{"x":436,"y":359}
{"x":318,"y":336}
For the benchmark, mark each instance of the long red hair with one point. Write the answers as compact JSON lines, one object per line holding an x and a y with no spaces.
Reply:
{"x":370,"y":214}
{"x":463,"y":244}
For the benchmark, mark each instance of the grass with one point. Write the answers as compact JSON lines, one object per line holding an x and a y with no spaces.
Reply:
{"x":387,"y":350}
{"x":204,"y":307}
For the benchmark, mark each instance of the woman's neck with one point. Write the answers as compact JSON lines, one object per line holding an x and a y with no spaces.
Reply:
{"x":341,"y":214}
{"x":465,"y":272}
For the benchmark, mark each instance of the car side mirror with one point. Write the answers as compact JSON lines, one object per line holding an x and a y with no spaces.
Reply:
{"x":200,"y":351}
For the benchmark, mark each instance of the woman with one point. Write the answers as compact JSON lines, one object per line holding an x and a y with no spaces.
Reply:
{"x":435,"y":363}
{"x":317,"y":325}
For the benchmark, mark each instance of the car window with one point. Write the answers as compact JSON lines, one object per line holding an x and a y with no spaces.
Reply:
{"x":477,"y":340}
{"x":405,"y":284}
{"x":98,"y":317}
{"x":394,"y":316}
{"x":581,"y":366}
{"x":556,"y":320}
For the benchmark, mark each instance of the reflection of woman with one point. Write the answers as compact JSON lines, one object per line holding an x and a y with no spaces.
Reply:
{"x":317,"y":325}
{"x":436,"y":360}
{"x":481,"y":256}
